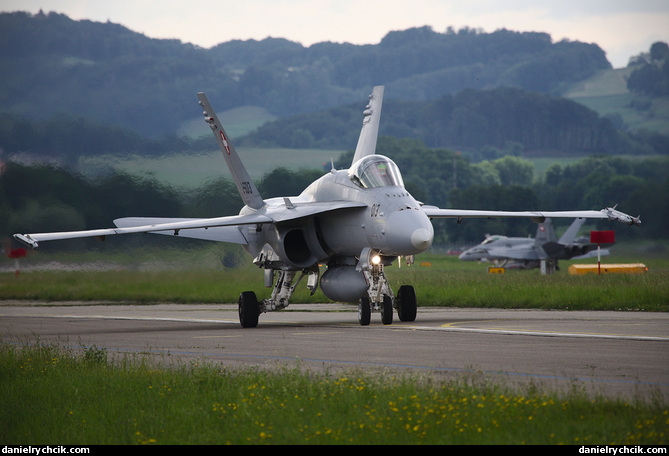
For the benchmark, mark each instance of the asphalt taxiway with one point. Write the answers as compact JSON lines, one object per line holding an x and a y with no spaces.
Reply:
{"x":610,"y":353}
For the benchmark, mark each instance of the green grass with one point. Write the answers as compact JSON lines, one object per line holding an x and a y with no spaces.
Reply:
{"x":439,"y":281}
{"x":194,"y":169}
{"x":52,"y":395}
{"x":606,"y":93}
{"x":449,"y":282}
{"x":237,"y":122}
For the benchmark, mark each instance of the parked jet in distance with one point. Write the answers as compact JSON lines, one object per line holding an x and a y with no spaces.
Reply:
{"x":528,"y":253}
{"x":355,"y":221}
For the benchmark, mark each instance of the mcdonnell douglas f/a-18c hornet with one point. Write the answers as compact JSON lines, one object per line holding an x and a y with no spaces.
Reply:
{"x":354,"y":221}
{"x":526,"y":253}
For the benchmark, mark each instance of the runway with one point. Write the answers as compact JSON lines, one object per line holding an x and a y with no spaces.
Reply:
{"x":610,"y":353}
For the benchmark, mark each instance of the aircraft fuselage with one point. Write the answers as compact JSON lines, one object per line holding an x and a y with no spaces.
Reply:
{"x":388,"y":221}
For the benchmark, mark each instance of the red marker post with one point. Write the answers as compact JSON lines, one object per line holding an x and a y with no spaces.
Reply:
{"x":601,"y":237}
{"x":15,"y":254}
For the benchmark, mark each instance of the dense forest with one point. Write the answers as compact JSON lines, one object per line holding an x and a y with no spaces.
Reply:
{"x":64,"y":138}
{"x":652,"y":76}
{"x":482,"y":122}
{"x":108,"y":74}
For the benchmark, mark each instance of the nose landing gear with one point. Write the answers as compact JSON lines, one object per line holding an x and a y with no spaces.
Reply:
{"x":381,"y":298}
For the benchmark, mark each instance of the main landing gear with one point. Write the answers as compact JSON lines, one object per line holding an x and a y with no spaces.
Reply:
{"x":379,"y":298}
{"x":249,"y":307}
{"x":405,"y":303}
{"x":249,"y":311}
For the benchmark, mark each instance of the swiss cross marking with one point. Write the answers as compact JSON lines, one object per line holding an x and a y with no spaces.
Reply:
{"x":225,"y":143}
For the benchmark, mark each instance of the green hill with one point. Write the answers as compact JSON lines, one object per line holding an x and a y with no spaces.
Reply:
{"x":80,"y":88}
{"x":606,"y":93}
{"x":484,"y":123}
{"x":106,"y":73}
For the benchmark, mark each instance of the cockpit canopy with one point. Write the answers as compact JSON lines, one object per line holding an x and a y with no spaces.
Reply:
{"x":494,"y":238}
{"x":375,"y":171}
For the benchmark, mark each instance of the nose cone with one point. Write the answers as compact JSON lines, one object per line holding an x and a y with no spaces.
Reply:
{"x":471,"y":254}
{"x":409,"y":232}
{"x":465,"y":256}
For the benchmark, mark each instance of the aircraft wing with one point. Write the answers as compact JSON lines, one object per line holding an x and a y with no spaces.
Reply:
{"x":293,"y":211}
{"x":592,"y":254}
{"x":231,"y":234}
{"x":223,"y":229}
{"x":513,"y":253}
{"x":609,"y":213}
{"x":164,"y":226}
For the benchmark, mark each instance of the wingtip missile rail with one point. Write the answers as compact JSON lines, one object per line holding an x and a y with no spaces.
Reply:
{"x":26,"y":239}
{"x":618,"y":216}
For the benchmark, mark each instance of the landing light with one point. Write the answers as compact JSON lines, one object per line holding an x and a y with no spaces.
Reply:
{"x":376,"y":259}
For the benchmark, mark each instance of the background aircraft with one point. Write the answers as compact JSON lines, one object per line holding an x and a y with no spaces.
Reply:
{"x":354,"y":221}
{"x":526,"y":253}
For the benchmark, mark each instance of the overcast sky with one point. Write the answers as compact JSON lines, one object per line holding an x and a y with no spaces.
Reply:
{"x":622,"y":28}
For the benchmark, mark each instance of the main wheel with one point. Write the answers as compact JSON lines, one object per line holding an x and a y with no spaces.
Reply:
{"x":364,"y":311}
{"x":248,"y":309}
{"x":407,"y":307}
{"x":387,"y":310}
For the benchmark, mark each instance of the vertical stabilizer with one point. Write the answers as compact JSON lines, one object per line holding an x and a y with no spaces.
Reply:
{"x":370,"y":125}
{"x":545,"y":233}
{"x":570,"y":235}
{"x":245,"y":185}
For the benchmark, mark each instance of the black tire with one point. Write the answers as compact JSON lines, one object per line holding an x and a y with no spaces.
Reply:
{"x":387,"y":310}
{"x":407,"y":307}
{"x":364,"y":312}
{"x":249,"y":310}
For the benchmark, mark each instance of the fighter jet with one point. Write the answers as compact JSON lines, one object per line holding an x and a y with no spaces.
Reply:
{"x":354,"y":221}
{"x":526,"y":253}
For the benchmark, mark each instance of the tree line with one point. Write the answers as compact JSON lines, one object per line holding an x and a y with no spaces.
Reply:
{"x":484,"y":123}
{"x":64,"y":138}
{"x":445,"y":178}
{"x":652,"y":75}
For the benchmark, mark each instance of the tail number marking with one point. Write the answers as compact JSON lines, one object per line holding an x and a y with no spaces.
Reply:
{"x":246,"y":187}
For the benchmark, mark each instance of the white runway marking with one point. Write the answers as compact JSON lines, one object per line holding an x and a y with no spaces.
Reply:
{"x":523,"y":332}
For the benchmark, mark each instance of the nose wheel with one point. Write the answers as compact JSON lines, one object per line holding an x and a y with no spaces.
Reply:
{"x":380,"y":297}
{"x":387,"y":310}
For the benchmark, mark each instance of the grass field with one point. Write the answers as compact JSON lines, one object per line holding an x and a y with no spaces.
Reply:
{"x":50,"y":395}
{"x":193,"y":170}
{"x":606,"y":93}
{"x":197,"y":276}
{"x":56,"y":395}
